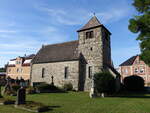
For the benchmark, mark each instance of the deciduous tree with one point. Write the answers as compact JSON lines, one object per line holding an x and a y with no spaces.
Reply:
{"x":141,"y":24}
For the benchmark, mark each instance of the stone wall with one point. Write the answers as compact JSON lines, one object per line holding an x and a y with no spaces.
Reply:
{"x":106,"y":47}
{"x":57,"y":70}
{"x":91,"y":49}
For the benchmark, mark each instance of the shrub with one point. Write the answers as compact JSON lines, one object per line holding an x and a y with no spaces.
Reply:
{"x":44,"y":87}
{"x":15,"y":87}
{"x":10,"y":92}
{"x":134,"y":83}
{"x":30,"y":90}
{"x":104,"y":82}
{"x":68,"y":87}
{"x":148,"y":84}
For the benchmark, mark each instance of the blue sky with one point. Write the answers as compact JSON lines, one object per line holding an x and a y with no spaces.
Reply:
{"x":27,"y":24}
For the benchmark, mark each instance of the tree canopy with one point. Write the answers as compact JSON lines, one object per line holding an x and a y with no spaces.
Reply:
{"x":141,"y":24}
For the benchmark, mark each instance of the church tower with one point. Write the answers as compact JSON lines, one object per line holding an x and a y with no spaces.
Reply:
{"x":94,"y":49}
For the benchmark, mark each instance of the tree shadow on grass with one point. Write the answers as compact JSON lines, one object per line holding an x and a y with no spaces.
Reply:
{"x":132,"y":95}
{"x":50,"y":108}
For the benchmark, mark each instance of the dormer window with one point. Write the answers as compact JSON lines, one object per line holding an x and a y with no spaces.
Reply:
{"x":89,"y":34}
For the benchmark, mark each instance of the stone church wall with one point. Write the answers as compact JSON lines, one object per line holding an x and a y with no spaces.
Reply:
{"x":57,"y":70}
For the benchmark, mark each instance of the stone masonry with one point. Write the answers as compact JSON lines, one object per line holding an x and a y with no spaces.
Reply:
{"x":57,"y":71}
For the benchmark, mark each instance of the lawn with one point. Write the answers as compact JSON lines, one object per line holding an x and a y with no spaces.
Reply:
{"x":79,"y":102}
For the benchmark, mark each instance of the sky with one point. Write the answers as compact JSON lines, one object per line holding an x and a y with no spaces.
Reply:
{"x":25,"y":25}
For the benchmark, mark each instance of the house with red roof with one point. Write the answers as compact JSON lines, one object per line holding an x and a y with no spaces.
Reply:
{"x":20,"y":67}
{"x":135,"y":66}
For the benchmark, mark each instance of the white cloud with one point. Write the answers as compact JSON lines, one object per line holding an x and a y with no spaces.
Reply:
{"x":7,"y":23}
{"x":8,"y":31}
{"x":67,"y":17}
{"x":80,"y":16}
{"x":113,"y":14}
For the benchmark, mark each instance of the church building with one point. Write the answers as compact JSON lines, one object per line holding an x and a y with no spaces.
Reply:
{"x":76,"y":61}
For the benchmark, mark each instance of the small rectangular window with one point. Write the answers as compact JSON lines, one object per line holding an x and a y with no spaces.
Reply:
{"x":90,"y":72}
{"x":89,"y":34}
{"x":141,"y":70}
{"x":136,"y":70}
{"x":17,"y":70}
{"x":66,"y":73}
{"x":43,"y":72}
{"x":126,"y":71}
{"x":9,"y":70}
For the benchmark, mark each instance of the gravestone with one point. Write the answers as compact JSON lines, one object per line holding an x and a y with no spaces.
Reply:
{"x":92,"y":91}
{"x":21,"y":96}
{"x":7,"y":87}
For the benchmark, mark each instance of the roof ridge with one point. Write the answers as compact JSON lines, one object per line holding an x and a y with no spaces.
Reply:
{"x":61,"y":43}
{"x":129,"y":61}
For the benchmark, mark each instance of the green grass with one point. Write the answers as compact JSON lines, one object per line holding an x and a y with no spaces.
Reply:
{"x":79,"y":102}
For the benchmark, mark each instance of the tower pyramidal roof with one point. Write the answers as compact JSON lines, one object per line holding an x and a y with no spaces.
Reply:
{"x":93,"y":22}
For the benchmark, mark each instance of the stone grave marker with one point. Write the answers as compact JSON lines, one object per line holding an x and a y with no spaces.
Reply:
{"x":7,"y":87}
{"x":21,"y":96}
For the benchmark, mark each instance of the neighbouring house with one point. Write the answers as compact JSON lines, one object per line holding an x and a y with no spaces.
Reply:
{"x":75,"y":61}
{"x":135,"y":66}
{"x":19,"y":67}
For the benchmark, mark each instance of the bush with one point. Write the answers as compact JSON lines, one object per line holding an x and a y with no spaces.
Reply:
{"x":104,"y":82}
{"x":68,"y":87}
{"x":30,"y":90}
{"x":44,"y":87}
{"x":134,"y":83}
{"x":15,"y":87}
{"x":10,"y":92}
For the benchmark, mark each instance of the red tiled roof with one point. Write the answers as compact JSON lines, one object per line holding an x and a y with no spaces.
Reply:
{"x":27,"y":64}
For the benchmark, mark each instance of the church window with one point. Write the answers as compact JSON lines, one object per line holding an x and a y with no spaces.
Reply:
{"x":89,"y":34}
{"x":66,"y":73}
{"x":91,"y":48}
{"x":90,"y":72}
{"x":43,"y":72}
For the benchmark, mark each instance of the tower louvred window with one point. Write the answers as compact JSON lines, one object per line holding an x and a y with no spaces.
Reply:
{"x":89,"y":34}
